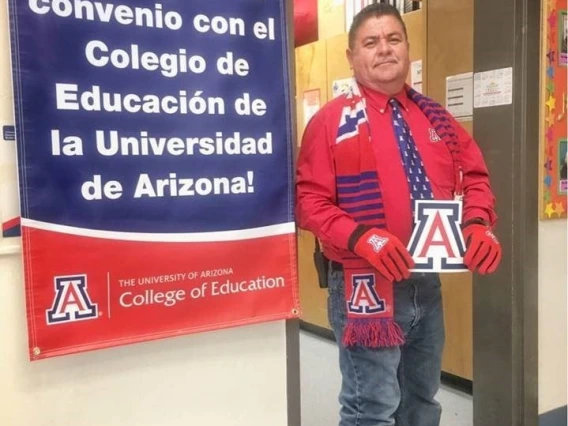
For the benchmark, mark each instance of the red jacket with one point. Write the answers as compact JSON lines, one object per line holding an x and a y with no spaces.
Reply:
{"x":316,"y":206}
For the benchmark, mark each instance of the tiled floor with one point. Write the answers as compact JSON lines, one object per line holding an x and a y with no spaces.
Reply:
{"x":320,"y":381}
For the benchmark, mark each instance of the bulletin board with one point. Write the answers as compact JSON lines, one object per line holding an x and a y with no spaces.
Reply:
{"x":554,"y":142}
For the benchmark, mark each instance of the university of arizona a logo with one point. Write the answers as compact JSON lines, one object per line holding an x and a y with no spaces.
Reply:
{"x":434,"y":136}
{"x":71,"y":301}
{"x":377,"y":242}
{"x":437,"y":242}
{"x":365,"y":299}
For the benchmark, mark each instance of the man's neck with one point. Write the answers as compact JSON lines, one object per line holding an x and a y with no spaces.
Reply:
{"x":390,"y":89}
{"x":379,"y":100}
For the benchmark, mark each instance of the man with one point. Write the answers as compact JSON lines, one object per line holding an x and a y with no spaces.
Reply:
{"x":366,"y":157}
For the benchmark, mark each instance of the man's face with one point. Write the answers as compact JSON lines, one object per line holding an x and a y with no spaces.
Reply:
{"x":379,"y":56}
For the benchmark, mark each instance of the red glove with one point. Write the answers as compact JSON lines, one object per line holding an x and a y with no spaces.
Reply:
{"x":483,"y":249}
{"x":385,"y":253}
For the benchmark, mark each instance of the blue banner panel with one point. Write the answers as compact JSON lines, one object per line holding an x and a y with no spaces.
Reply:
{"x":147,"y":117}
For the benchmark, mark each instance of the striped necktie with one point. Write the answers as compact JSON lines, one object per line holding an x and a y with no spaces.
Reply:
{"x":418,"y":182}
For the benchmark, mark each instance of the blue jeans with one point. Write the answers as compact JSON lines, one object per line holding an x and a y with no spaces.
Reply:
{"x":393,"y":386}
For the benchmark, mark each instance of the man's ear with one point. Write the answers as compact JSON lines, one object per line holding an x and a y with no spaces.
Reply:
{"x":349,"y":55}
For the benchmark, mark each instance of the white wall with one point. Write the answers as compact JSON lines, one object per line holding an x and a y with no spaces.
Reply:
{"x":233,"y":377}
{"x":552,"y":329}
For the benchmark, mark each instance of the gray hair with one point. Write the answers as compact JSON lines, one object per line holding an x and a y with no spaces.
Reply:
{"x":375,"y":10}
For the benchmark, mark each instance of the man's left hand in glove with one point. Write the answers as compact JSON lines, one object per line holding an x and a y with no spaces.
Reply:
{"x":483,"y":250}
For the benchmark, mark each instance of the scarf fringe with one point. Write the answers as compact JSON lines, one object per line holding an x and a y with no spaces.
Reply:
{"x":383,"y":333}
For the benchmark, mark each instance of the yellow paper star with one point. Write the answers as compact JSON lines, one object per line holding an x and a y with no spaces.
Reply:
{"x":559,"y":209}
{"x":550,"y":120}
{"x":549,"y":210}
{"x":551,"y":103}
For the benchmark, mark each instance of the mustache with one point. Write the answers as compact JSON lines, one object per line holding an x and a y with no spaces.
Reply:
{"x":386,"y":61}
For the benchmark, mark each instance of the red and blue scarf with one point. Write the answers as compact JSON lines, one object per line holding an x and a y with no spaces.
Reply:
{"x":359,"y":194}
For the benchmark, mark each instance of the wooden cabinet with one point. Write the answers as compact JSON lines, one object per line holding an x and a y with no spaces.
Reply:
{"x":449,"y":35}
{"x":311,"y":81}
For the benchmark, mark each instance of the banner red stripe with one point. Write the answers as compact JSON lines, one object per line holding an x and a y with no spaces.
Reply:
{"x":12,"y":223}
{"x":135,"y":291}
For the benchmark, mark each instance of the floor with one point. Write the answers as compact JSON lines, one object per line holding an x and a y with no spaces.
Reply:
{"x":320,"y":381}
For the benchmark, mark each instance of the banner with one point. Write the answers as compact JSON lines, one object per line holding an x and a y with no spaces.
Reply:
{"x":155,"y":165}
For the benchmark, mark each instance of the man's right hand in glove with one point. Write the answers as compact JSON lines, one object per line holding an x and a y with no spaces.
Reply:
{"x":383,"y":251}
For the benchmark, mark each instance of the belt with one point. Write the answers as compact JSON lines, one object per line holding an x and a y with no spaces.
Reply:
{"x":335,"y":266}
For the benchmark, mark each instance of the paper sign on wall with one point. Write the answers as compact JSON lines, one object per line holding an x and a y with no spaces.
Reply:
{"x":340,"y":87}
{"x":416,"y":75}
{"x":459,"y":96}
{"x":563,"y":35}
{"x":493,"y":88}
{"x":562,"y":166}
{"x":312,"y":104}
{"x":9,"y":208}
